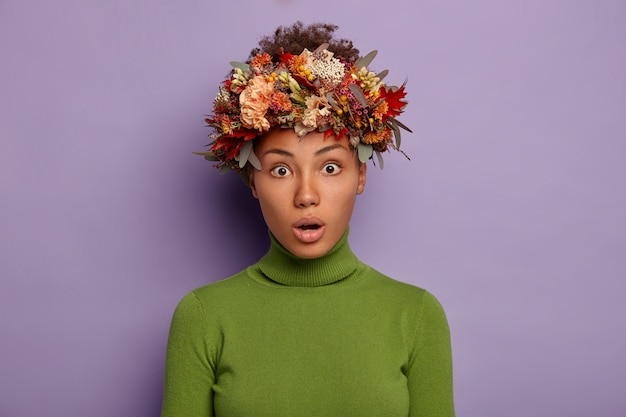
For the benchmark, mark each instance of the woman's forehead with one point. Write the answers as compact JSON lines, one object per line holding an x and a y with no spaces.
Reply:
{"x":282,"y":141}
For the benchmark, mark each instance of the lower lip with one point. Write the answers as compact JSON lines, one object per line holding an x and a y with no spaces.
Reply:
{"x":308,"y":236}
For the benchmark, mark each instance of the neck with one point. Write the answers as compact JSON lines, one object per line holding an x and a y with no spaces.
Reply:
{"x":283,"y":267}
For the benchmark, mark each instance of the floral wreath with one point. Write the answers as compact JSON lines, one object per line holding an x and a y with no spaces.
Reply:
{"x":306,"y":92}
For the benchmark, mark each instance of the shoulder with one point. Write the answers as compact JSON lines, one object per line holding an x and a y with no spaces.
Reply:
{"x":232,"y":283}
{"x":418,"y":299}
{"x":217,"y":296}
{"x":384,"y":283}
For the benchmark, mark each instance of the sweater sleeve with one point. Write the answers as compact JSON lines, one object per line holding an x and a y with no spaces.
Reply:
{"x":430,"y":367}
{"x":189,"y":371}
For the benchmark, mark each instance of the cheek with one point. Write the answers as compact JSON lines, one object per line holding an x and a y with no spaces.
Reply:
{"x":344,"y":200}
{"x":271,"y":200}
{"x":260,"y":187}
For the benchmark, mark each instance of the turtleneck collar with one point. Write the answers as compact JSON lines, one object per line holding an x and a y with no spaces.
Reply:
{"x":283,"y":267}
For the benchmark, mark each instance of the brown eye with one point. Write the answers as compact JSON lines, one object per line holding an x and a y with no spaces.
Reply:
{"x":331,"y":169}
{"x":280,"y":171}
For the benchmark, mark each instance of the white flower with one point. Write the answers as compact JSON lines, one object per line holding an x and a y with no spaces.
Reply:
{"x":315,"y":106}
{"x":325,"y":67}
{"x":301,"y":129}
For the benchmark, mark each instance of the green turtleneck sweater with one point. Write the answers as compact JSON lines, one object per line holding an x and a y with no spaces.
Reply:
{"x":291,"y":337}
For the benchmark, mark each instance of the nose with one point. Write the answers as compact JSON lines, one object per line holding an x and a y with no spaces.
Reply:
{"x":306,"y":193}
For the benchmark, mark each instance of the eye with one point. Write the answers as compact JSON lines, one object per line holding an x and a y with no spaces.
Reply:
{"x":280,"y":171}
{"x":331,"y":168}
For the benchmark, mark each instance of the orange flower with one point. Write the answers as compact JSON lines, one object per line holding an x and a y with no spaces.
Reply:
{"x":254,"y":101}
{"x":372,"y":138}
{"x":296,"y":64}
{"x":381,"y":110}
{"x":261,"y":60}
{"x":279,"y":102}
{"x":226,"y":125}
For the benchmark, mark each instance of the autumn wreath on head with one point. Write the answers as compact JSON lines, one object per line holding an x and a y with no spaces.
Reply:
{"x":312,"y":91}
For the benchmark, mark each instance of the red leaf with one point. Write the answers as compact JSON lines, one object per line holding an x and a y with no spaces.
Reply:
{"x":284,"y":58}
{"x":394,"y":100}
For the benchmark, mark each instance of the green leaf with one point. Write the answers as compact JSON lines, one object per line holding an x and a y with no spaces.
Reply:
{"x":396,"y":133}
{"x":399,"y":123}
{"x":382,"y":74}
{"x":244,"y":152}
{"x":254,"y":161}
{"x":366,"y":60}
{"x":365,"y":152}
{"x":242,"y":66}
{"x":358,"y":93}
{"x":324,"y":128}
{"x":380,"y":159}
{"x":331,"y":100}
{"x":209,"y":156}
{"x":223,"y":169}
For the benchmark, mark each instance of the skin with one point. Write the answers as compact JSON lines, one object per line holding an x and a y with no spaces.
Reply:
{"x":307,"y":189}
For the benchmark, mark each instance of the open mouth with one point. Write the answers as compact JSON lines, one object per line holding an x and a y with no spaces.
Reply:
{"x":309,"y":230}
{"x":309,"y":227}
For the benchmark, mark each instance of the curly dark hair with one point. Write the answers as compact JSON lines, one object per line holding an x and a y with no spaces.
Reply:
{"x":297,"y":37}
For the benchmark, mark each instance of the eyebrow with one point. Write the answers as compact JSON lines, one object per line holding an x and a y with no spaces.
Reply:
{"x":321,"y":151}
{"x":330,"y":148}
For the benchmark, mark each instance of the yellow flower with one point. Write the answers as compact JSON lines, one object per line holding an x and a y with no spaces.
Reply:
{"x":254,"y":101}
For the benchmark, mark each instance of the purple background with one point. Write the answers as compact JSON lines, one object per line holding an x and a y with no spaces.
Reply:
{"x":511,"y":210}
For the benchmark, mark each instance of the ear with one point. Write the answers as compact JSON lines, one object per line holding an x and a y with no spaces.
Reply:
{"x":362,"y":176}
{"x":251,"y":181}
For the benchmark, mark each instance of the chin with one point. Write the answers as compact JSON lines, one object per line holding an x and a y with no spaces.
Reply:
{"x":310,"y":251}
{"x":308,"y":254}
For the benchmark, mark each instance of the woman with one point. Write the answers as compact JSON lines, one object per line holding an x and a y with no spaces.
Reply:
{"x":309,"y":330}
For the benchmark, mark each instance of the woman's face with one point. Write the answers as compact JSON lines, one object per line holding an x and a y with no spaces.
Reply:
{"x":307,"y":189}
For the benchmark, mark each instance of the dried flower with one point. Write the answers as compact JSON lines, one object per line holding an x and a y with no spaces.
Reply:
{"x":305,"y":92}
{"x":315,"y":107}
{"x":280,"y":102}
{"x":255,"y":100}
{"x":261,"y":60}
{"x":328,"y":69}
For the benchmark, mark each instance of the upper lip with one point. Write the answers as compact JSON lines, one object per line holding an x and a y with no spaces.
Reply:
{"x":307,"y":221}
